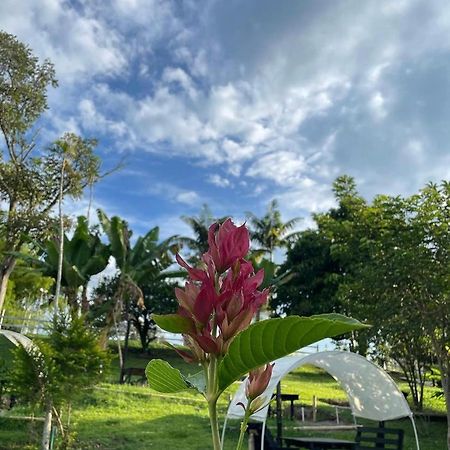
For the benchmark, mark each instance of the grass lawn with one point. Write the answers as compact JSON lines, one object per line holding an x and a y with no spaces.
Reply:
{"x":127,"y":417}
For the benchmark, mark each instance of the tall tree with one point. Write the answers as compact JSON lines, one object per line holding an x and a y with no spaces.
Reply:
{"x":269,"y":231}
{"x":30,"y":186}
{"x":76,"y":158}
{"x":396,"y":253}
{"x":23,"y":189}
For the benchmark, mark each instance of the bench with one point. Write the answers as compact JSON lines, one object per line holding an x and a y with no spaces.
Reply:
{"x":131,"y":372}
{"x":368,"y":438}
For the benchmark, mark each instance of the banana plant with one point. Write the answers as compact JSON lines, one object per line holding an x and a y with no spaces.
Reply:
{"x":84,"y":256}
{"x":135,"y":263}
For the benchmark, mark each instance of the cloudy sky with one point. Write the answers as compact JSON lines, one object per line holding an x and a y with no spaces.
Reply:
{"x":233,"y":103}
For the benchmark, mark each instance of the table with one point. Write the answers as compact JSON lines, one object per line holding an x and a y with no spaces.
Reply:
{"x":319,"y":443}
{"x":286,"y":398}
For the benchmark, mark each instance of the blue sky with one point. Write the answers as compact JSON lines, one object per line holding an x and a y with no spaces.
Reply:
{"x":233,"y":103}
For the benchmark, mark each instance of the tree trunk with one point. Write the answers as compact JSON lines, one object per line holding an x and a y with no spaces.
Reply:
{"x":84,"y":300}
{"x":445,"y":379}
{"x":61,"y":238}
{"x":125,"y":350}
{"x":6,"y":271}
{"x":46,"y":433}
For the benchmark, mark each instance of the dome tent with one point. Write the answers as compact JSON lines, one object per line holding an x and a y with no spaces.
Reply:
{"x":371,"y":392}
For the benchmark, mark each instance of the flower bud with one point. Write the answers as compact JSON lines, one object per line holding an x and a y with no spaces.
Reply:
{"x":258,"y":381}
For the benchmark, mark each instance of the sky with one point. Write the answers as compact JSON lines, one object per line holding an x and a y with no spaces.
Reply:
{"x":234,"y":103}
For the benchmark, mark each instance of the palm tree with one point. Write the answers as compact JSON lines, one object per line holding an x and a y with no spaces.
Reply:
{"x":269,"y":231}
{"x":200,"y":225}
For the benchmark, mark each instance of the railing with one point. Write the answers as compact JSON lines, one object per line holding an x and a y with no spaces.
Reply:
{"x":22,"y":324}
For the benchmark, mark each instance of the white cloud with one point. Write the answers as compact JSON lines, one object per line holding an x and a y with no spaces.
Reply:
{"x":78,"y":45}
{"x":307,"y":196}
{"x":283,"y":167}
{"x":217,"y":180}
{"x":176,"y":194}
{"x":187,"y":197}
{"x":377,"y":105}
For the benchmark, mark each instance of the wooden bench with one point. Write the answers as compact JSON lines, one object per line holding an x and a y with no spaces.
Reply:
{"x":368,"y":438}
{"x":131,"y":372}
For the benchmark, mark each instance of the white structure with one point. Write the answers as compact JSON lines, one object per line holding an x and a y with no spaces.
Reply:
{"x":17,"y":338}
{"x":371,"y":392}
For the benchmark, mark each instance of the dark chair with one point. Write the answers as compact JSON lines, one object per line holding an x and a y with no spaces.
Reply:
{"x":368,"y":438}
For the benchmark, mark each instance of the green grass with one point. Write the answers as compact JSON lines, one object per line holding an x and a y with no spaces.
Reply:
{"x":130,"y":417}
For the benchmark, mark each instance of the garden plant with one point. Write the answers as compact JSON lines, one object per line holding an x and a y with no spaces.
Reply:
{"x":216,"y":308}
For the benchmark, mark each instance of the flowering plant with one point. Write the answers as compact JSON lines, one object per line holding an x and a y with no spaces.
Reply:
{"x":215,"y":311}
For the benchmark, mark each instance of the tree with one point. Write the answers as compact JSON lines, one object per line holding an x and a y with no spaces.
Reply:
{"x":396,"y":255}
{"x":135,"y":264}
{"x":23,"y":98}
{"x":200,"y":225}
{"x":315,"y":277}
{"x":158,"y":299}
{"x":30,"y":187}
{"x":84,"y":256}
{"x":55,"y":370}
{"x":75,"y":156}
{"x":269,"y":231}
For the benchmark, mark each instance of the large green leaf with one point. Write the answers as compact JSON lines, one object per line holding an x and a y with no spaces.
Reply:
{"x":271,"y":339}
{"x":162,"y":377}
{"x":173,"y":323}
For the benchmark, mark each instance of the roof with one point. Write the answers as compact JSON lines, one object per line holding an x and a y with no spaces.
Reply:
{"x":371,"y":392}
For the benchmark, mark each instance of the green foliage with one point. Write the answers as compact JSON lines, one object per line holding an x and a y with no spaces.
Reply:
{"x":200,"y":225}
{"x":173,"y":323}
{"x":259,"y":344}
{"x":162,"y":377}
{"x":84,"y":256}
{"x":141,"y":284}
{"x":23,"y":86}
{"x":314,"y":277}
{"x":268,"y":340}
{"x":269,"y":231}
{"x":59,"y":367}
{"x":31,"y":186}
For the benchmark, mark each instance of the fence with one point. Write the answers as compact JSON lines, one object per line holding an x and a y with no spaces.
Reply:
{"x":24,"y":325}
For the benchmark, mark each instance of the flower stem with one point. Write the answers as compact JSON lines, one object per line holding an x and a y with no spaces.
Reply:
{"x":212,"y":407}
{"x":212,"y":395}
{"x":243,"y":429}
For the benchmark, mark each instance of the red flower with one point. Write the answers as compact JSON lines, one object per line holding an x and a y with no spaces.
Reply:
{"x":227,"y":244}
{"x":258,"y":381}
{"x":220,"y":302}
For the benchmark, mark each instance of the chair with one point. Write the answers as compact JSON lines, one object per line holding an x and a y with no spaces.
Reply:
{"x":368,"y":438}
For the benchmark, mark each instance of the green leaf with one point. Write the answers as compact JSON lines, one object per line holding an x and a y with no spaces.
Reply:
{"x":271,"y":339}
{"x":173,"y":323}
{"x":197,"y":381}
{"x":162,"y":377}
